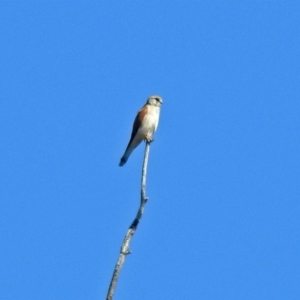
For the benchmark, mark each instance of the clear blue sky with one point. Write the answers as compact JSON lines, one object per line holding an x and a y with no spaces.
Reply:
{"x":223,"y":218}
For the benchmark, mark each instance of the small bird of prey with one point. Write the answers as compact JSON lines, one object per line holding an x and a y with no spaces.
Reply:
{"x":145,"y":124}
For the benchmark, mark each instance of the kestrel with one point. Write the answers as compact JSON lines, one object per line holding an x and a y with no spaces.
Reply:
{"x":145,"y":124}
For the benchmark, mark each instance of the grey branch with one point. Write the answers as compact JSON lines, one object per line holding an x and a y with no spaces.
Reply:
{"x":132,"y":228}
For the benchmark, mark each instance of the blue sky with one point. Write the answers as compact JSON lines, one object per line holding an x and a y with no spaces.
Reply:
{"x":222,"y":221}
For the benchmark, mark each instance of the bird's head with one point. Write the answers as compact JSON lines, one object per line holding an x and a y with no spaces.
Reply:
{"x":155,"y":100}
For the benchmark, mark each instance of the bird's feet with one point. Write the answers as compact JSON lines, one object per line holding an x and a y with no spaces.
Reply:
{"x":149,"y":138}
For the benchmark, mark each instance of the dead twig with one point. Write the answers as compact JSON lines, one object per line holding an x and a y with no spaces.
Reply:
{"x":132,"y":228}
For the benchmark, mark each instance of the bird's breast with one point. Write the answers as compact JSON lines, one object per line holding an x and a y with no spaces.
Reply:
{"x":150,"y":120}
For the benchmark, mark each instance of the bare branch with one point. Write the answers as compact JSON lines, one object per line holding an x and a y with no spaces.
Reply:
{"x":132,"y":228}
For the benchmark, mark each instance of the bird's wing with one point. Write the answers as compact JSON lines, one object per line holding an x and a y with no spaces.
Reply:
{"x":138,"y":122}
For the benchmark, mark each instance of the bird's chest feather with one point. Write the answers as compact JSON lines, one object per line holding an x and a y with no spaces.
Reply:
{"x":151,"y":118}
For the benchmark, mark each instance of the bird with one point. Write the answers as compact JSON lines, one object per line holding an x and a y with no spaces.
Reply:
{"x":144,"y":125}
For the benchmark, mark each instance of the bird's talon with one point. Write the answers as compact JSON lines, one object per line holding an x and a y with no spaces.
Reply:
{"x":149,"y":139}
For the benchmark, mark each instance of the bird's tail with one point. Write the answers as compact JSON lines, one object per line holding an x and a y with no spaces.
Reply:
{"x":125,"y":157}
